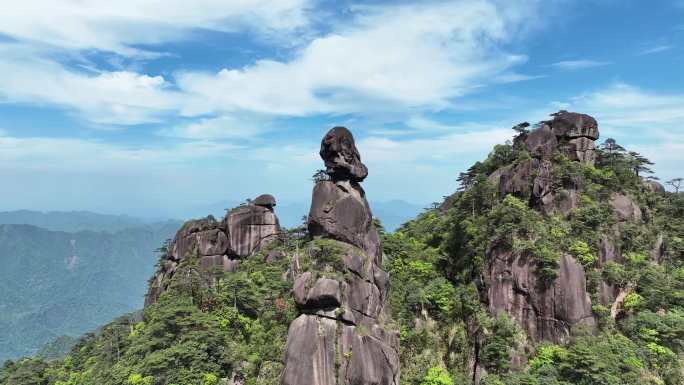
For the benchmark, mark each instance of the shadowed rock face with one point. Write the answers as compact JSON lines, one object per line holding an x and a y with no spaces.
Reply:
{"x":218,"y":245}
{"x":549,"y":313}
{"x":341,"y":337}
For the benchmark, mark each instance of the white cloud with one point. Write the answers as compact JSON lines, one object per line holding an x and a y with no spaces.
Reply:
{"x":572,"y":65}
{"x":628,"y":107}
{"x":385,"y":58}
{"x":382,"y":150}
{"x":107,"y":97}
{"x":395,"y":56}
{"x":222,"y":127}
{"x":648,"y":122}
{"x":117,"y":26}
{"x":656,"y":49}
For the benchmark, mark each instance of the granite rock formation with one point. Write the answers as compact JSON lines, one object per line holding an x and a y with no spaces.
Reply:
{"x":341,"y":336}
{"x":219,"y":245}
{"x":546,"y":312}
{"x":339,"y":209}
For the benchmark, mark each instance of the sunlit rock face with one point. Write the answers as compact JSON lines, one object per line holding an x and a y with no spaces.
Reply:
{"x":219,"y":245}
{"x":341,"y":336}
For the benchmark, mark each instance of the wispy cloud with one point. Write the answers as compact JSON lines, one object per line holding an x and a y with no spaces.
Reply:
{"x":222,"y":127}
{"x":384,"y":58}
{"x":643,"y":120}
{"x":656,"y":49}
{"x":119,"y":97}
{"x":393,"y":56}
{"x":573,"y":65}
{"x":122,"y":26}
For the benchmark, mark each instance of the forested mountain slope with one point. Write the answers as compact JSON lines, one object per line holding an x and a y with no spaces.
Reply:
{"x":557,"y":262}
{"x":57,"y":283}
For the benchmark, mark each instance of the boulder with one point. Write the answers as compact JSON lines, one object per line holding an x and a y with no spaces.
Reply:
{"x":212,"y":242}
{"x":250,"y":227}
{"x":582,"y":149}
{"x":342,"y":159}
{"x":310,"y":352}
{"x":607,"y":253}
{"x":367,"y":359}
{"x":624,"y":208}
{"x":339,"y":210}
{"x":187,"y":237}
{"x":343,"y":337}
{"x":658,"y":250}
{"x":516,"y":179}
{"x":219,"y":245}
{"x":325,"y":293}
{"x":542,"y":142}
{"x":654,"y":186}
{"x":265,"y":200}
{"x":573,"y":125}
{"x":543,"y":182}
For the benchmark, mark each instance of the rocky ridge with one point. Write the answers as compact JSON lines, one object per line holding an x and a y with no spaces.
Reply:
{"x":218,"y":245}
{"x":550,"y":313}
{"x":342,"y":335}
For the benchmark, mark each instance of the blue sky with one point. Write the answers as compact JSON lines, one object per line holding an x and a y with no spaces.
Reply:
{"x":139,"y":106}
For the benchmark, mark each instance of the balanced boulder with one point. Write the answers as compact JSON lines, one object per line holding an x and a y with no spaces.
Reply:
{"x":342,"y":335}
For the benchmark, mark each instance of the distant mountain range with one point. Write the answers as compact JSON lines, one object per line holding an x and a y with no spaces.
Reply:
{"x":64,"y":283}
{"x":65,"y":273}
{"x":73,"y":221}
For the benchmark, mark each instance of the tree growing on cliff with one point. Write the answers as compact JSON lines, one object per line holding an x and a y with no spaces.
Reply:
{"x":676,"y":183}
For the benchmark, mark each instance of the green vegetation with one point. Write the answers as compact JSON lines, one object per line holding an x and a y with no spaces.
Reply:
{"x":233,"y":326}
{"x":57,"y":283}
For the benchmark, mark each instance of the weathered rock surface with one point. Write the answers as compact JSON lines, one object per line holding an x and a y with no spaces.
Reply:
{"x":574,"y":125}
{"x":544,"y":313}
{"x":341,"y":337}
{"x":341,"y":158}
{"x":542,"y":142}
{"x":339,"y":210}
{"x":624,"y":208}
{"x":250,"y":227}
{"x":654,"y":186}
{"x":607,"y":253}
{"x":218,"y":245}
{"x":582,"y":149}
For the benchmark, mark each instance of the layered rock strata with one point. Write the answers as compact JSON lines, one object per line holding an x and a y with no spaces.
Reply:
{"x":341,"y":336}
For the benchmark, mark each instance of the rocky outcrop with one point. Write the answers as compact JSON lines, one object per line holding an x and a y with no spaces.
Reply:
{"x":250,"y":227}
{"x":654,"y":186}
{"x":341,"y":336}
{"x":573,"y":125}
{"x":339,"y":209}
{"x":624,"y":208}
{"x":579,"y":131}
{"x":548,"y":313}
{"x":219,"y":246}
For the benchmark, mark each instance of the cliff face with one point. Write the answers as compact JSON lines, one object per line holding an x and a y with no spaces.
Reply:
{"x":218,"y":245}
{"x":342,"y":335}
{"x":546,"y":312}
